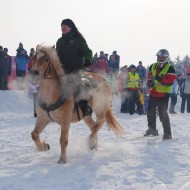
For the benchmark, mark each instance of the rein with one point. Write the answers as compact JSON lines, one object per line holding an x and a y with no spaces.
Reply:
{"x":48,"y":71}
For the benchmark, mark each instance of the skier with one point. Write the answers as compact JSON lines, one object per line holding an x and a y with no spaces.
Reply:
{"x":161,"y":76}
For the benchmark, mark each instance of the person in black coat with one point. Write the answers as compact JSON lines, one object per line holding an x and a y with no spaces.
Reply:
{"x":74,"y":55}
{"x":5,"y":69}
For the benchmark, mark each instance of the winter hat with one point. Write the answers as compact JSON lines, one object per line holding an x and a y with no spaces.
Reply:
{"x":32,"y":50}
{"x":5,"y":49}
{"x":132,"y":67}
{"x":20,"y":44}
{"x":68,"y":22}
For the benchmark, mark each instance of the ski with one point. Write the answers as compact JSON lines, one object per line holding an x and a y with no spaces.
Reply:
{"x":151,"y":140}
{"x":159,"y":140}
{"x":140,"y":137}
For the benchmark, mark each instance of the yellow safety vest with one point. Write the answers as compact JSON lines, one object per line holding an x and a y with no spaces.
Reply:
{"x":133,"y":80}
{"x":161,"y":87}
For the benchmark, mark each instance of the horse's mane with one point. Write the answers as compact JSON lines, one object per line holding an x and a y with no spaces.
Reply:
{"x":52,"y":55}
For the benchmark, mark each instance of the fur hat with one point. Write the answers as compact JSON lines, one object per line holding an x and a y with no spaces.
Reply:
{"x":68,"y":22}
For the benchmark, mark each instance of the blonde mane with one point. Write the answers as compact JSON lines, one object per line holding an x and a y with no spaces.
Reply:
{"x":53,"y":57}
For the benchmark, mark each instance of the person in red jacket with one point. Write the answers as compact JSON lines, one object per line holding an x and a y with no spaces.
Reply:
{"x":161,"y":76}
{"x":32,"y":51}
{"x":101,"y":64}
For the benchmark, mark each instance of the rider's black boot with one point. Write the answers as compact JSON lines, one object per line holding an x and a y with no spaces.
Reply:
{"x":86,"y":109}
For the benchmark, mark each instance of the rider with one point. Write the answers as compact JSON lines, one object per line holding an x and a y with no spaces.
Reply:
{"x":74,"y":55}
{"x":161,"y":76}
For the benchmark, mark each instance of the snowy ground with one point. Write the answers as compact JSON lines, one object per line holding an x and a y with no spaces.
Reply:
{"x":120,"y":164}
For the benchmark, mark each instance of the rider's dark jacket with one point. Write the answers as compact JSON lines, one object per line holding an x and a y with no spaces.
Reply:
{"x":73,"y":52}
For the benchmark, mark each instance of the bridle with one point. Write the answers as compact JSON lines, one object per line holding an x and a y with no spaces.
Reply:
{"x":48,"y":70}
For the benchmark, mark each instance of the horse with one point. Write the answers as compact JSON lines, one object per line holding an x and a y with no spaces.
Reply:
{"x":56,"y":101}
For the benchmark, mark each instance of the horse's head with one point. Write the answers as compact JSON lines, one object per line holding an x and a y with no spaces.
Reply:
{"x":46,"y":61}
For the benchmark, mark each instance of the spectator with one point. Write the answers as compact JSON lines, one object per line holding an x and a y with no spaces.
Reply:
{"x":117,"y":57}
{"x":133,"y":91}
{"x":146,"y":99}
{"x":113,"y":64}
{"x":34,"y":88}
{"x":122,"y":85}
{"x":5,"y":69}
{"x":185,"y":93}
{"x":1,"y":59}
{"x":174,"y":93}
{"x":106,"y":56}
{"x":30,"y":60}
{"x":141,"y":70}
{"x":101,"y":64}
{"x":111,"y":78}
{"x":21,"y":61}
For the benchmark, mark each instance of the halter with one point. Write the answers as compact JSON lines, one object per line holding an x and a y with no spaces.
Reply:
{"x":48,"y":70}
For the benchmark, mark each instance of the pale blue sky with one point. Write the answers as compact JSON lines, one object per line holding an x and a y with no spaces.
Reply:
{"x":137,"y":29}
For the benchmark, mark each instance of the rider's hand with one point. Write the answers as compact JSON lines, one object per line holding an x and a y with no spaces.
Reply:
{"x":87,"y":63}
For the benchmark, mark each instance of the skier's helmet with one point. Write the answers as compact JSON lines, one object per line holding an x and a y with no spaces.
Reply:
{"x":163,"y":53}
{"x":162,"y":57}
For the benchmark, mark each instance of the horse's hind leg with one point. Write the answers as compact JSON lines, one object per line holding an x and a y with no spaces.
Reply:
{"x":39,"y":127}
{"x":94,"y":127}
{"x":91,"y":124}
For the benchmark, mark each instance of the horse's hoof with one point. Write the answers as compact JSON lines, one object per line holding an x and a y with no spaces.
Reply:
{"x":60,"y":161}
{"x":48,"y":147}
{"x":93,"y":147}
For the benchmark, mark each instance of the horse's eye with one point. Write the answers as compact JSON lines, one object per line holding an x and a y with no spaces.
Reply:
{"x":47,"y":60}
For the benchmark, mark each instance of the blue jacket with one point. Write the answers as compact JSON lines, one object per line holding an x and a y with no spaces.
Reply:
{"x":141,"y":71}
{"x":21,"y":62}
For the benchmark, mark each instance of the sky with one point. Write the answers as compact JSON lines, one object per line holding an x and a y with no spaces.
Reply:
{"x":136,"y":29}
{"x":131,"y":163}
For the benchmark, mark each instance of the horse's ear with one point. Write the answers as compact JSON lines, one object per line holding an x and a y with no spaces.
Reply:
{"x":53,"y":46}
{"x":37,"y":46}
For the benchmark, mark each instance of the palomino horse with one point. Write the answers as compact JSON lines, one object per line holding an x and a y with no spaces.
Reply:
{"x":56,"y":101}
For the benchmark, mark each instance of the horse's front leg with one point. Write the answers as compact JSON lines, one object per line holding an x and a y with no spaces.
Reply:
{"x":64,"y":142}
{"x":39,"y":127}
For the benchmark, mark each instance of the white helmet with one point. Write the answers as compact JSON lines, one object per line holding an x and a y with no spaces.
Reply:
{"x":163,"y":53}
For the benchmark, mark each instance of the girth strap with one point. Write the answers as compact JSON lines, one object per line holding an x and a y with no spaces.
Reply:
{"x":51,"y":107}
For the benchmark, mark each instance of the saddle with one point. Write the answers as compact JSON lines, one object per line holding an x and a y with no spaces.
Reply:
{"x":85,"y":87}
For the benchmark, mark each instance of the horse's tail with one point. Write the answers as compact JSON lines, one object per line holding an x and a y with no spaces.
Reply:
{"x":113,"y":123}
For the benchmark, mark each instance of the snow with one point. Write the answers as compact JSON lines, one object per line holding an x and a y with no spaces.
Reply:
{"x":119,"y":164}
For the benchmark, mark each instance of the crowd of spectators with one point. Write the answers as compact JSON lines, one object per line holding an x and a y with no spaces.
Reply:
{"x":119,"y":77}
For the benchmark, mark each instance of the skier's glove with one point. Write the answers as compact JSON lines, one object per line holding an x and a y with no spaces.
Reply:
{"x":158,"y":78}
{"x":151,"y":84}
